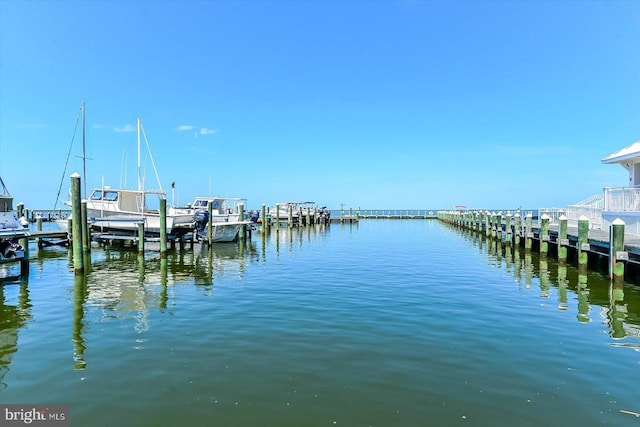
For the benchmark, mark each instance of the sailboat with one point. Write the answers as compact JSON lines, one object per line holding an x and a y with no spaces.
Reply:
{"x":121,"y":210}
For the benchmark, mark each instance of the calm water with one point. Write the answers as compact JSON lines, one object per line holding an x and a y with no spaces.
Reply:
{"x":385,"y":323}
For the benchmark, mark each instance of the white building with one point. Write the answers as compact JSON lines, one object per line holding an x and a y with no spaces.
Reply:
{"x":614,"y":202}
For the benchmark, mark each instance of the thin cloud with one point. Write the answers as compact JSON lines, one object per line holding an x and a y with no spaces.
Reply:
{"x":207,"y":131}
{"x":126,"y":128}
{"x":183,"y":128}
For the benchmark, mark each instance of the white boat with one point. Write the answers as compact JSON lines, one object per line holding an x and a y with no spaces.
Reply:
{"x":10,"y":228}
{"x":281,"y":211}
{"x":121,"y":210}
{"x":226,"y":220}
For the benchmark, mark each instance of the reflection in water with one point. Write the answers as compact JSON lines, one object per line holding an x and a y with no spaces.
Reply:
{"x":618,"y":304}
{"x":288,"y":238}
{"x":562,"y":286}
{"x":125,"y":284}
{"x":79,"y":298}
{"x":12,"y":318}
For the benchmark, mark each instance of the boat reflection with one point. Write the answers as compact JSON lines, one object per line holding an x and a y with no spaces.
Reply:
{"x":13,"y":316}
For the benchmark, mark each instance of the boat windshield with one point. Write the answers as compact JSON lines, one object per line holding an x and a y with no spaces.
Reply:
{"x":110,"y":196}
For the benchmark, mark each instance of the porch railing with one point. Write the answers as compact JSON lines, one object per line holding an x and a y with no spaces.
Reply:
{"x":622,"y":199}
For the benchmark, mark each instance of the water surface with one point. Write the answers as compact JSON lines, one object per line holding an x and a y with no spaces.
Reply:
{"x":385,"y":323}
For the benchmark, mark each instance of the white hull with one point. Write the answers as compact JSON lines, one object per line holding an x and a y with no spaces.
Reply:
{"x":222,"y":232}
{"x":128,"y":221}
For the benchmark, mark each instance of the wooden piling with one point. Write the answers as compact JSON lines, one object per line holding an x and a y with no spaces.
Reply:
{"x":24,"y":262}
{"x":487,"y":224}
{"x":163,"y":227}
{"x":583,"y":242}
{"x":86,"y":241}
{"x":263,"y":215}
{"x":563,"y":239}
{"x":617,"y":253}
{"x":544,"y":235}
{"x":508,"y":231}
{"x":76,"y":234}
{"x":517,"y":220}
{"x":210,"y":223}
{"x":242,"y":231}
{"x":140,"y":238}
{"x":528,"y":233}
{"x":39,"y":228}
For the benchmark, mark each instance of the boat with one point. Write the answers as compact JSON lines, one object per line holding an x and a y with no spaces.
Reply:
{"x":11,"y":228}
{"x":121,"y":210}
{"x":297,"y":210}
{"x":226,"y":220}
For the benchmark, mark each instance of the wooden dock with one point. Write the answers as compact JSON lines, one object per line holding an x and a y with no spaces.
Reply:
{"x":612,"y":250}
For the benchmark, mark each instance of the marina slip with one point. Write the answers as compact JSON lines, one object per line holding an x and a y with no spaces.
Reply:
{"x":381,"y":322}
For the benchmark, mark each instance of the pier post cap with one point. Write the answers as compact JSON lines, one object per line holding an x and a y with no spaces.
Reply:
{"x":75,"y":175}
{"x":544,"y":216}
{"x":583,"y":218}
{"x":563,"y":218}
{"x":618,"y":221}
{"x":530,"y":214}
{"x":517,"y":215}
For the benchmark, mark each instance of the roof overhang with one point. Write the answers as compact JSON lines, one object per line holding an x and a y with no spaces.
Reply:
{"x":624,"y":155}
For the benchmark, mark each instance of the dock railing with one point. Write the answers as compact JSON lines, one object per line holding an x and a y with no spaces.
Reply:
{"x":591,"y":208}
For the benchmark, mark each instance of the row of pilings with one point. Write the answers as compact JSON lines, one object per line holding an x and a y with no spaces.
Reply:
{"x":518,"y":230}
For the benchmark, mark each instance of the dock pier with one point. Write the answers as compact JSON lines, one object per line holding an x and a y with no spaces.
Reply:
{"x":613,"y":251}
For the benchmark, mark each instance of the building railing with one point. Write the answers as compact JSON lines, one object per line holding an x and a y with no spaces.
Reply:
{"x":622,"y":199}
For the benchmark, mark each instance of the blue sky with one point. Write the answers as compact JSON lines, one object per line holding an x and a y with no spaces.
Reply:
{"x":370,"y":104}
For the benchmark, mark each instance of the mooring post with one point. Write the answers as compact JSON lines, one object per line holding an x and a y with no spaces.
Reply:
{"x":263,"y":215}
{"x":487,"y":223}
{"x":544,"y":235}
{"x":617,"y":253}
{"x":24,"y":262}
{"x":290,"y":219}
{"x":563,"y":239}
{"x":86,"y":239}
{"x":209,"y":223}
{"x":39,"y":228}
{"x":140,"y":238}
{"x":528,"y":237}
{"x":499,"y":226}
{"x":517,"y":219}
{"x":583,"y":241}
{"x":76,"y":234}
{"x":241,"y":232}
{"x":163,"y":227}
{"x":509,"y":233}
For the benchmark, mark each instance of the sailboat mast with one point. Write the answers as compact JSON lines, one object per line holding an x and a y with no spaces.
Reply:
{"x":84,"y":158}
{"x":139,"y":176}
